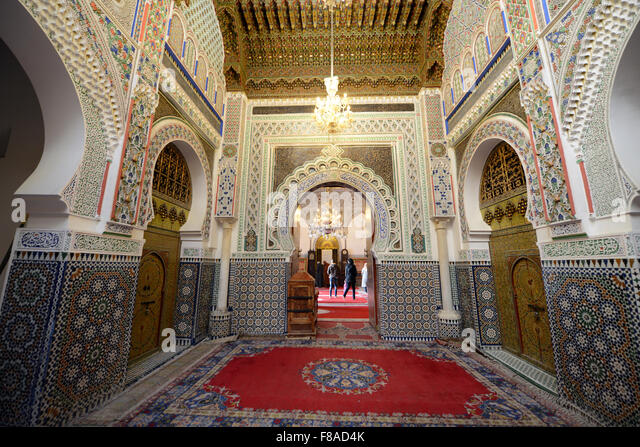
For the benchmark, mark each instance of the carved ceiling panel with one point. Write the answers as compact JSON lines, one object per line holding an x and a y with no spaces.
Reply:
{"x":282,"y":47}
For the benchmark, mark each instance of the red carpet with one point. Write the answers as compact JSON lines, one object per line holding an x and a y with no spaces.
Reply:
{"x":291,"y":383}
{"x":342,"y":312}
{"x":361,"y":297}
{"x":381,"y":381}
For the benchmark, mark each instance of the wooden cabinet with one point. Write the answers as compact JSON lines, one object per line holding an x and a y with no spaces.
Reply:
{"x":302,"y":305}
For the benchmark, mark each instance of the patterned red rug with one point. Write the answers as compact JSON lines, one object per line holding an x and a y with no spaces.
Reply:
{"x":323,"y":297}
{"x":294,"y":383}
{"x":346,"y":330}
{"x":358,"y":313}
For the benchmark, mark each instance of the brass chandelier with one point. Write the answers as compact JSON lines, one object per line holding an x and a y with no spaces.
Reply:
{"x":332,"y":113}
{"x":326,"y":224}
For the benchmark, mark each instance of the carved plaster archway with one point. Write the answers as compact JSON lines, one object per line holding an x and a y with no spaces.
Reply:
{"x":343,"y":170}
{"x":496,"y":128}
{"x":67,"y":58}
{"x":586,"y":81}
{"x":175,"y":130}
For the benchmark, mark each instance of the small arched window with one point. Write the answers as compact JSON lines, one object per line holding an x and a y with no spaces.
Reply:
{"x":171,"y":178}
{"x":481,"y":52}
{"x":495,"y":27}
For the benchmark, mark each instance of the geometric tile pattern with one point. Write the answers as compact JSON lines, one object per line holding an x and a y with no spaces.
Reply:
{"x":29,"y":302}
{"x":258,"y":296}
{"x":220,"y":325}
{"x":448,"y":328}
{"x":465,"y":296}
{"x":186,"y":300}
{"x":65,"y":340}
{"x":205,"y":300}
{"x":454,"y":286}
{"x":594,"y":312}
{"x":486,"y":305}
{"x":442,"y":187}
{"x":87,"y":360}
{"x":409,"y":294}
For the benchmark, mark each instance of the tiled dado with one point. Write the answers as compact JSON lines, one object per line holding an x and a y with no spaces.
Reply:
{"x":486,"y":305}
{"x":478,"y":303}
{"x":448,"y":328}
{"x":258,"y":296}
{"x":594,"y":313}
{"x":66,"y":327}
{"x":409,"y":294}
{"x":197,"y":289}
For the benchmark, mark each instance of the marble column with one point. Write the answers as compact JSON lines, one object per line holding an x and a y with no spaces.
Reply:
{"x":220,"y":322}
{"x":449,"y":318}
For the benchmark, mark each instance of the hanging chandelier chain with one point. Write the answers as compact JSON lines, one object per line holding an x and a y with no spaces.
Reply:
{"x":332,"y":114}
{"x":331,"y":42}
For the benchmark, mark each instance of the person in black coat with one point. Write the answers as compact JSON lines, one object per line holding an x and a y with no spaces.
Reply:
{"x":319,"y":274}
{"x":350,"y":275}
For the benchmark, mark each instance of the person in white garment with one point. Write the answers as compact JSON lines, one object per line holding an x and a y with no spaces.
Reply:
{"x":365,"y":277}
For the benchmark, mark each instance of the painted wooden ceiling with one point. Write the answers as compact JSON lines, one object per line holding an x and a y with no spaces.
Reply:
{"x":276,"y":48}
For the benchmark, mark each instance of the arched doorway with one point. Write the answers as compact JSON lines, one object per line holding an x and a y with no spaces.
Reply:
{"x":158,"y":274}
{"x":21,"y":141}
{"x":522,"y":309}
{"x":383,"y":214}
{"x":343,"y":206}
{"x":327,"y":250}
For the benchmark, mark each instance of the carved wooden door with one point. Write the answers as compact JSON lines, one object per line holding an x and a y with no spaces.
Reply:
{"x":148,"y":307}
{"x":531,"y":311}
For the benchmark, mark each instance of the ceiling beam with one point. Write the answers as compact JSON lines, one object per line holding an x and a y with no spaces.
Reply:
{"x":360,"y":14}
{"x":257,"y":11}
{"x":406,"y":9}
{"x":271,"y":15}
{"x":248,"y":16}
{"x":349,"y":14}
{"x":282,"y":14}
{"x":393,"y":17}
{"x":384,"y":7}
{"x":315,"y":11}
{"x":417,"y":12}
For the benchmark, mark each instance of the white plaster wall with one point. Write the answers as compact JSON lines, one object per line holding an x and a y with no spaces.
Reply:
{"x":625,"y":109}
{"x":21,"y":120}
{"x":61,"y":111}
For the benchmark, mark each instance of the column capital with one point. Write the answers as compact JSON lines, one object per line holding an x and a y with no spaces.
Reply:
{"x":226,"y":222}
{"x":442,"y":221}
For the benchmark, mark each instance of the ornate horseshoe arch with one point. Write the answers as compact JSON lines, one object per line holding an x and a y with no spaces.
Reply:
{"x":165,"y":131}
{"x":344,"y":170}
{"x":511,"y":129}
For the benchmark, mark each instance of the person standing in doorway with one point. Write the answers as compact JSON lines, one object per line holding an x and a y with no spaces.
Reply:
{"x":319,"y":274}
{"x":332,"y":271}
{"x":365,"y":277}
{"x":350,"y":275}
